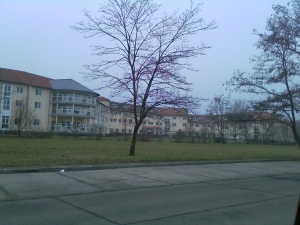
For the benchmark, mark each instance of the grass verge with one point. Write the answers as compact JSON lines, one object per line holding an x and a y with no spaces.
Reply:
{"x":17,"y":152}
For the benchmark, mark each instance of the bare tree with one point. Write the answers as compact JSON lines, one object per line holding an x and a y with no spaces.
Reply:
{"x":277,"y":68}
{"x":190,"y":131}
{"x":238,"y":117}
{"x":149,"y":50}
{"x":217,"y":110}
{"x":23,"y":117}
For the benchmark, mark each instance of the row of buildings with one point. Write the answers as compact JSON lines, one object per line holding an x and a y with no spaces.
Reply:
{"x":30,"y":102}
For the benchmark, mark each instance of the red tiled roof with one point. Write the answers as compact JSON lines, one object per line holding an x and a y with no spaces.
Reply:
{"x":171,"y":111}
{"x":100,"y":98}
{"x":21,"y":77}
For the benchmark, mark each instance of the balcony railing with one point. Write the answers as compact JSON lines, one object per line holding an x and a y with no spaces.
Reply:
{"x":70,"y":111}
{"x":72,"y":127}
{"x":71,"y":98}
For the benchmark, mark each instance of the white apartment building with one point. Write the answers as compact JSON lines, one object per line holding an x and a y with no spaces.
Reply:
{"x":64,"y":105}
{"x":57,"y":105}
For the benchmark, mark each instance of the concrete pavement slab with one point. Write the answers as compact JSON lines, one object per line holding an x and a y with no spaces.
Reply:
{"x":33,"y":185}
{"x":273,"y":212}
{"x":206,"y":173}
{"x":46,"y":211}
{"x":273,"y":184}
{"x":133,"y":206}
{"x":164,"y":174}
{"x":270,"y":168}
{"x":215,"y":173}
{"x":109,"y":180}
{"x":2,"y":195}
{"x":248,"y":169}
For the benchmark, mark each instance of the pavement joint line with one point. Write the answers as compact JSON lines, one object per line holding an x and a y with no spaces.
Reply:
{"x":233,"y":170}
{"x":243,"y":188}
{"x":7,"y":193}
{"x":66,"y":168}
{"x":147,"y":178}
{"x":80,"y":181}
{"x":207,"y":210}
{"x":87,"y":211}
{"x":194,"y":174}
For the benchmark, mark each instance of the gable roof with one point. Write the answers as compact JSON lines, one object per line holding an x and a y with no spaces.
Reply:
{"x":70,"y":84}
{"x":21,"y":77}
{"x":171,"y":111}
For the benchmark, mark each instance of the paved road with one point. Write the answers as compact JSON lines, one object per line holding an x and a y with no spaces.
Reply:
{"x":234,"y":193}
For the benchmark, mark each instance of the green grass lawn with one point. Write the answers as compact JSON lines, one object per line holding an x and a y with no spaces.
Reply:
{"x":16,"y":152}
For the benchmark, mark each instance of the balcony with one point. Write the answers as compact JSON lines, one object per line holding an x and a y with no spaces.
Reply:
{"x":70,"y":111}
{"x":72,"y":127}
{"x":74,"y":99}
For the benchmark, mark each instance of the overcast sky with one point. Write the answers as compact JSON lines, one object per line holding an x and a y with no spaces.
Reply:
{"x":35,"y":36}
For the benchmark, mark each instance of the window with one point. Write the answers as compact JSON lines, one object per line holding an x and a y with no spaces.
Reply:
{"x":37,"y":105}
{"x":191,"y":125}
{"x":130,"y":121}
{"x":117,"y":130}
{"x":7,"y":90}
{"x":111,"y":119}
{"x":120,"y":120}
{"x":19,"y":103}
{"x":150,"y":123}
{"x":19,"y":90}
{"x":197,"y":125}
{"x":184,"y":118}
{"x":174,"y":117}
{"x":130,"y":130}
{"x":184,"y":124}
{"x":17,"y":121}
{"x":6,"y":104}
{"x":37,"y":123}
{"x":115,"y":120}
{"x":174,"y":124}
{"x":123,"y":131}
{"x":111,"y":130}
{"x":5,"y":121}
{"x":195,"y":118}
{"x":38,"y":91}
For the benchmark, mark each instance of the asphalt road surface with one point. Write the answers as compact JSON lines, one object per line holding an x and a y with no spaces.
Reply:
{"x":231,"y":193}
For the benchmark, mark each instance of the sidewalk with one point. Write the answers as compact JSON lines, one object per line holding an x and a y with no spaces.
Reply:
{"x":264,"y":192}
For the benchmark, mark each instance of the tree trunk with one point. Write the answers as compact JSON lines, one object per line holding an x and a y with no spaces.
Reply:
{"x":133,"y":141}
{"x":297,"y":139}
{"x":19,"y":132}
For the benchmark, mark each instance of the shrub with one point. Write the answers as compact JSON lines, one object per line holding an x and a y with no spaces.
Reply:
{"x":221,"y":140}
{"x":179,"y":136}
{"x":144,"y":137}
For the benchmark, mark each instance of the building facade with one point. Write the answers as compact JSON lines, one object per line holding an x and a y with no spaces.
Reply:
{"x":42,"y":104}
{"x":29,"y":102}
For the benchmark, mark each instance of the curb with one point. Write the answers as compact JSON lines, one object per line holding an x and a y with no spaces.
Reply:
{"x":68,"y":168}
